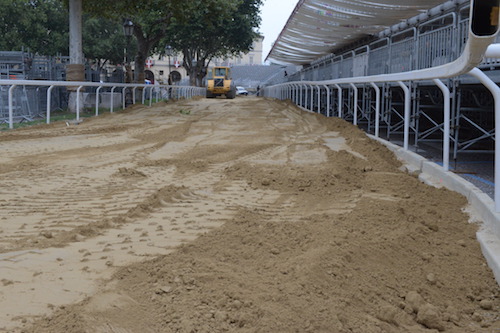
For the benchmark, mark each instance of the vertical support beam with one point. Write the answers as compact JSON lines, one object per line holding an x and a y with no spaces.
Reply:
{"x":406,"y":114}
{"x":75,"y":32}
{"x":495,"y":91}
{"x":75,"y":70}
{"x":355,"y":120}
{"x":446,"y":125}
{"x":377,"y":108}
{"x":49,"y":97}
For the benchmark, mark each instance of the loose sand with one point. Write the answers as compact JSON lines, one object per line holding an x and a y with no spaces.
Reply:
{"x":243,"y":215}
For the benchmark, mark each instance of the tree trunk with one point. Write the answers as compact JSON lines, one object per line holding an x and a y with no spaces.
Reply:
{"x":192,"y":77}
{"x":201,"y":76}
{"x":144,"y":44}
{"x":140,"y":63}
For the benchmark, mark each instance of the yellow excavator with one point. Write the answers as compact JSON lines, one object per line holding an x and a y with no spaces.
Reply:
{"x":220,"y":83}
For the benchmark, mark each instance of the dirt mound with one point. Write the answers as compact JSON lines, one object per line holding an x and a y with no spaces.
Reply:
{"x":281,"y":221}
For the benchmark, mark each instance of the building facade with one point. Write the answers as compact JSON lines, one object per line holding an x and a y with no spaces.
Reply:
{"x":159,"y":67}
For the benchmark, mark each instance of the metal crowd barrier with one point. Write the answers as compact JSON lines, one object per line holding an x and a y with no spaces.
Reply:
{"x":157,"y":92}
{"x":481,"y":34}
{"x":431,"y":42}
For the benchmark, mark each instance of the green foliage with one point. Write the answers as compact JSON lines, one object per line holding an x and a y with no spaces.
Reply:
{"x":104,"y":41}
{"x":205,"y":29}
{"x":118,"y":8}
{"x":40,"y":25}
{"x":201,"y":29}
{"x":150,"y":17}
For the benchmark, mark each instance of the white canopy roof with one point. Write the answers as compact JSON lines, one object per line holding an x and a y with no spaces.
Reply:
{"x":316,"y":27}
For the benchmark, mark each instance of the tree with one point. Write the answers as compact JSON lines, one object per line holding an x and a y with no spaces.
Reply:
{"x":104,"y":41}
{"x":148,"y":30}
{"x":150,"y":17}
{"x":39,"y":25}
{"x":205,"y":29}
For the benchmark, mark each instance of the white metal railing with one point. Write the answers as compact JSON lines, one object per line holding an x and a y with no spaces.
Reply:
{"x":172,"y":91}
{"x":477,"y":46}
{"x":295,"y":92}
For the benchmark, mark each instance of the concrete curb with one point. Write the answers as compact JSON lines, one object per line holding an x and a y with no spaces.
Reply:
{"x":483,"y":206}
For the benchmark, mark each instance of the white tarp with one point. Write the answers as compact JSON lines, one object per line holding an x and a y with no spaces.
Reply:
{"x":316,"y":27}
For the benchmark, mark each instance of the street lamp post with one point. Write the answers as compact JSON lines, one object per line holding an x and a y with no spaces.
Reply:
{"x":169,"y":53}
{"x":128,"y":30}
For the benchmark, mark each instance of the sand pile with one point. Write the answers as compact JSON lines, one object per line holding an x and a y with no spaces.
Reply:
{"x":246,"y":215}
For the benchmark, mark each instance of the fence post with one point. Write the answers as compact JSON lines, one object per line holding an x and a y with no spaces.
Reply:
{"x":377,"y":108}
{"x":11,"y":106}
{"x":340,"y":100}
{"x":495,"y":91}
{"x":327,"y":100}
{"x":300,"y":94}
{"x":112,"y":99}
{"x":406,"y":114}
{"x":97,"y":100}
{"x":319,"y":98}
{"x":78,"y":101}
{"x":49,"y":97}
{"x":446,"y":125}
{"x":123,"y":97}
{"x":311,"y":102}
{"x":355,"y":120}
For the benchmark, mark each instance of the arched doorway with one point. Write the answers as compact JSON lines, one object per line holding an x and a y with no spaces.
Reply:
{"x":148,"y":75}
{"x":175,"y":77}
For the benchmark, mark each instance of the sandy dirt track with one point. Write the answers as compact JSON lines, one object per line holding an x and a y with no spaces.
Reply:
{"x":245,"y":215}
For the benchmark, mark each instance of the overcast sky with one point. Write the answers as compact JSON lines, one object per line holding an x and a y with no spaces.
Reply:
{"x":274,"y":15}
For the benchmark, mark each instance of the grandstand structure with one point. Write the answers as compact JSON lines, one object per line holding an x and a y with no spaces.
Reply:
{"x":252,"y":77}
{"x":431,"y":38}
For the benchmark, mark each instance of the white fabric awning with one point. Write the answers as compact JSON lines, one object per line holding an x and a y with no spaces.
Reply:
{"x":316,"y":27}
